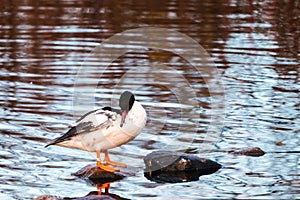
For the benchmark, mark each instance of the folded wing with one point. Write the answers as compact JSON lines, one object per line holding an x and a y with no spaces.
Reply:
{"x":91,"y":121}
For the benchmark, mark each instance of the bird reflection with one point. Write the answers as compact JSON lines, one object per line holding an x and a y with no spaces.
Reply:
{"x":102,"y":180}
{"x":101,"y":193}
{"x":104,"y":186}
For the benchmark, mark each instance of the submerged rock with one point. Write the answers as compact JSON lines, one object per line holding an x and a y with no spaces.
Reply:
{"x":172,"y":177}
{"x":46,"y":197}
{"x":95,"y":196}
{"x":91,"y":196}
{"x":174,"y":167}
{"x":256,"y":152}
{"x":169,"y":161}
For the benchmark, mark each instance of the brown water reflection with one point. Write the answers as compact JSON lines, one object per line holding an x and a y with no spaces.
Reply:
{"x":255,"y":45}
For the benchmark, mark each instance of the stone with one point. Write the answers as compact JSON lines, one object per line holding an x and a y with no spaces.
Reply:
{"x":95,"y":175}
{"x":95,"y":196}
{"x":46,"y":197}
{"x":255,"y":152}
{"x":174,"y":167}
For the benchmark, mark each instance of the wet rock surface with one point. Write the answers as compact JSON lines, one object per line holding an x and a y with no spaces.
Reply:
{"x":90,"y":196}
{"x":174,"y":167}
{"x":96,"y":176}
{"x":255,"y":152}
{"x":172,"y":177}
{"x":46,"y":197}
{"x":95,"y":196}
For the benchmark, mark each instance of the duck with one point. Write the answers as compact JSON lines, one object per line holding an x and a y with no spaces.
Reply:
{"x":106,"y":128}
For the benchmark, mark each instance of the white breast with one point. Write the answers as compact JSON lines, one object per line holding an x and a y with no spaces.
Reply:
{"x":115,"y":135}
{"x":135,"y":120}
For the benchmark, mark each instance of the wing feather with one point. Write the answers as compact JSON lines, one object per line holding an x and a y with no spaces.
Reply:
{"x":91,"y":121}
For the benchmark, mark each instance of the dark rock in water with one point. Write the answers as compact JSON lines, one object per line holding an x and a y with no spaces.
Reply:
{"x":95,"y":196}
{"x":172,"y":177}
{"x":168,"y":161}
{"x":91,"y":196}
{"x":256,"y":152}
{"x":174,"y":167}
{"x":96,"y":175}
{"x":46,"y":197}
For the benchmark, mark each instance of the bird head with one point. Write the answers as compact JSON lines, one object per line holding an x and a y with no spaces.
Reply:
{"x":126,"y":102}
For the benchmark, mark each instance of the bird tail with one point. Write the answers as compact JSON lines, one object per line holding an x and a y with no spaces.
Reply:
{"x":67,"y":136}
{"x":56,"y":141}
{"x":50,"y":143}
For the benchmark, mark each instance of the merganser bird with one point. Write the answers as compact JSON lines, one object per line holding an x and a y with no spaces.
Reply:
{"x":106,"y":128}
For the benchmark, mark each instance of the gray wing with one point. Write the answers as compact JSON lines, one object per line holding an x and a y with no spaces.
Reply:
{"x":89,"y":122}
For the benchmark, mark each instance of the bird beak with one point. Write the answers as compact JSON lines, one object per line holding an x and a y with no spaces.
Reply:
{"x":124,"y":114}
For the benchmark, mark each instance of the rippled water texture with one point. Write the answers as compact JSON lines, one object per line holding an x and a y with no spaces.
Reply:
{"x":254,"y":44}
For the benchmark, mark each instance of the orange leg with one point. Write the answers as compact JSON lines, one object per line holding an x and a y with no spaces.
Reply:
{"x":104,"y":167}
{"x":101,"y":186}
{"x":106,"y":186}
{"x":108,"y":161}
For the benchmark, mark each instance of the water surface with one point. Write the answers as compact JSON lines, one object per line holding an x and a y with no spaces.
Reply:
{"x":254,"y":44}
